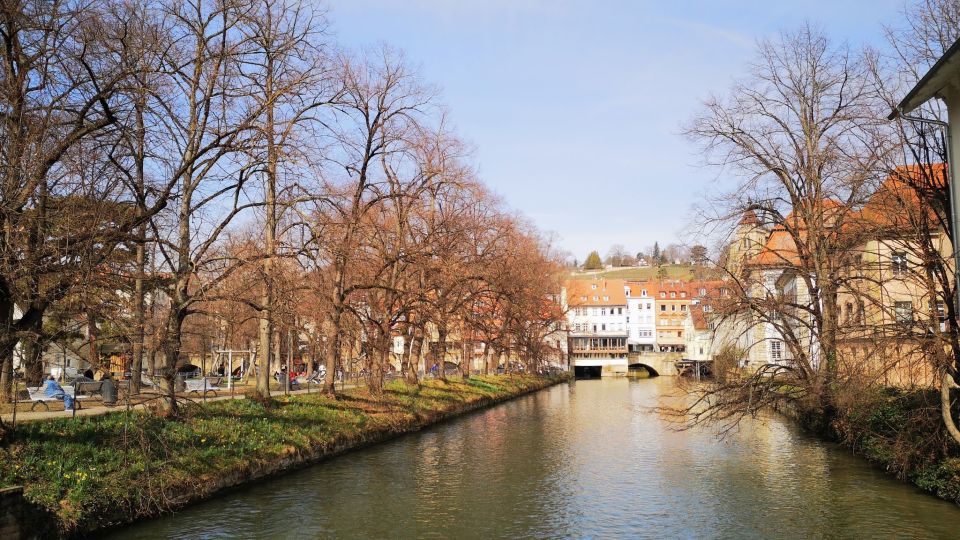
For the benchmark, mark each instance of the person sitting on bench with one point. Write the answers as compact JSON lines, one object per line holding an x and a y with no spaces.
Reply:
{"x":54,"y":390}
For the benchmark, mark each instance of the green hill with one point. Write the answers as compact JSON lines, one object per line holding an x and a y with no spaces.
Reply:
{"x":672,"y":271}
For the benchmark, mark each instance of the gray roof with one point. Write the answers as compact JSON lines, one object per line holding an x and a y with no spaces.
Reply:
{"x":946,"y":70}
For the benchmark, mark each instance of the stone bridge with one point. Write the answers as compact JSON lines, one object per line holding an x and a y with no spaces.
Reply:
{"x":657,"y":363}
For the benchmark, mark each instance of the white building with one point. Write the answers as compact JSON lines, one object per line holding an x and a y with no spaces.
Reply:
{"x":641,"y":319}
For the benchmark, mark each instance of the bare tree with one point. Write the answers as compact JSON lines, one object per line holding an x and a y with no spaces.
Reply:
{"x":209,"y":126}
{"x":804,"y":134}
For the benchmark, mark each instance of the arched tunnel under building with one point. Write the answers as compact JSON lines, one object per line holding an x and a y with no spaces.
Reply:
{"x":587,"y":372}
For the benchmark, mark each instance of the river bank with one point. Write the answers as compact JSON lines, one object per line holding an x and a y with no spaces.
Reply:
{"x":92,"y":473}
{"x":902,"y":431}
{"x":898,"y":430}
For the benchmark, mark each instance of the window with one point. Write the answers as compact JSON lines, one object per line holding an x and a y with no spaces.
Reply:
{"x":898,"y":262}
{"x":903,"y":311}
{"x":673,"y":307}
{"x":663,"y":308}
{"x":679,"y":333}
{"x":942,"y":316}
{"x":594,"y":328}
{"x":643,"y":292}
{"x":583,"y":298}
{"x":595,"y":298}
{"x":603,"y":311}
{"x":849,"y":311}
{"x":683,"y":307}
{"x":663,"y":294}
{"x":673,"y":295}
{"x":663,"y":322}
{"x":619,"y":311}
{"x":628,"y":320}
{"x":603,"y":327}
{"x":776,"y":350}
{"x":593,"y":286}
{"x":703,"y":292}
{"x":683,"y":294}
{"x":707,"y":309}
{"x":606,"y":298}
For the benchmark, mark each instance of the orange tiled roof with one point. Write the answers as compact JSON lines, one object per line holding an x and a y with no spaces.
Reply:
{"x":581,"y":292}
{"x":779,"y":250}
{"x":636,"y":287}
{"x":888,"y":208}
{"x":898,"y":197}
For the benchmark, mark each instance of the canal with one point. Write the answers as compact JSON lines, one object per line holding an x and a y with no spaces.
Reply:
{"x":588,"y":459}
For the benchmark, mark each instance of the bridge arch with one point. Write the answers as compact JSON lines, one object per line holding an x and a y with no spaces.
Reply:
{"x":638,"y":366}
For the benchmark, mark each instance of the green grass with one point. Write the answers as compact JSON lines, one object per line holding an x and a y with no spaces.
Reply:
{"x":681,"y":271}
{"x":91,"y":472}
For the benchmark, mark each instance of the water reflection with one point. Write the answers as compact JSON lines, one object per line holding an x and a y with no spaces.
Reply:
{"x":590,"y":459}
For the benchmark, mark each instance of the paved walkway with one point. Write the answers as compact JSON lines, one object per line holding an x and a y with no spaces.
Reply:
{"x":96,"y":408}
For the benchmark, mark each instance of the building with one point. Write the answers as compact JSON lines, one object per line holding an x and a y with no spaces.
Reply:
{"x":597,"y":312}
{"x":671,"y":304}
{"x":885,"y":305}
{"x":641,"y":316}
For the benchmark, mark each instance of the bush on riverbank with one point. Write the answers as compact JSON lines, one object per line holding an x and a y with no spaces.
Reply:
{"x":903,"y":432}
{"x":91,"y":472}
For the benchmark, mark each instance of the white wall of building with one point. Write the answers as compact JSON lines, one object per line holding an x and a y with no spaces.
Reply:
{"x":642,"y":334}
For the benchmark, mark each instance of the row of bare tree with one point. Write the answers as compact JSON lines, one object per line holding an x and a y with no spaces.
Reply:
{"x":176,"y":170}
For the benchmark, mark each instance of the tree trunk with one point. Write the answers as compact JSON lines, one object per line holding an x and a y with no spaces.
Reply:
{"x":333,"y":358}
{"x":171,"y":356}
{"x":945,"y":384}
{"x":7,"y":344}
{"x":32,"y":357}
{"x":467,"y":360}
{"x":377,"y":362}
{"x":410,"y":364}
{"x":139,"y":317}
{"x":6,"y":370}
{"x":93,"y":351}
{"x":441,"y":359}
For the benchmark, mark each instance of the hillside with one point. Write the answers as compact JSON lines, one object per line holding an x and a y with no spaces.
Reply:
{"x":678,"y":271}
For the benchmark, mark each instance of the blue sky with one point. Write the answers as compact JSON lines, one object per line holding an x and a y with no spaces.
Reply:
{"x":574,"y":107}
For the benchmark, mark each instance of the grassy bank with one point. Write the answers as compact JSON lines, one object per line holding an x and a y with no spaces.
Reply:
{"x":91,"y":473}
{"x":902,"y":431}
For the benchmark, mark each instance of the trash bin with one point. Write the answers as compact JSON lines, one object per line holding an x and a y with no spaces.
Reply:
{"x":109,"y":391}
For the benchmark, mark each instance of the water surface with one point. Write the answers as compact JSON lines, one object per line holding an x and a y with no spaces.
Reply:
{"x":586,"y":460}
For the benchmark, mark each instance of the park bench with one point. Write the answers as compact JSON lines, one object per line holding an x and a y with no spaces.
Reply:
{"x":202,"y":385}
{"x":88,"y":389}
{"x":37,"y":395}
{"x":147,"y":382}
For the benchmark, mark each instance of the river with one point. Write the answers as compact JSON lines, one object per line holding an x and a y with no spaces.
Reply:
{"x":590,"y":459}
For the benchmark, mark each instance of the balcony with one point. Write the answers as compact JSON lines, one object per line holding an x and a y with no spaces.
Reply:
{"x":599,"y":350}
